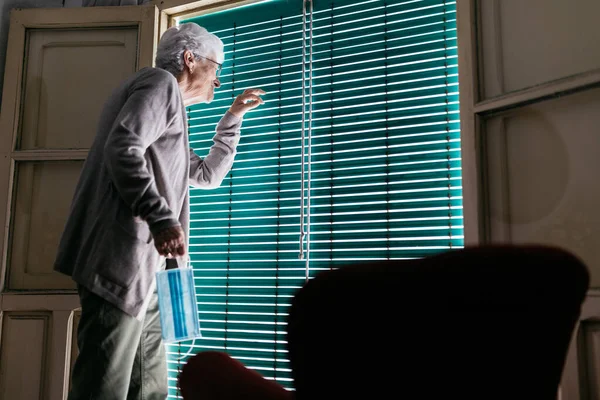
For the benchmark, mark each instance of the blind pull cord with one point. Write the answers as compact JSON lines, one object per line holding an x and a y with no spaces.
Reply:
{"x":306,"y":148}
{"x":302,"y":132}
{"x":310,"y":105}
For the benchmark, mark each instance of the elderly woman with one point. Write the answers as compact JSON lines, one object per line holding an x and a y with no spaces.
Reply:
{"x":131,"y":209}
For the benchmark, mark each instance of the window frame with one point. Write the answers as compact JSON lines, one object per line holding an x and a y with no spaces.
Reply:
{"x":474,"y":110}
{"x":172,"y":11}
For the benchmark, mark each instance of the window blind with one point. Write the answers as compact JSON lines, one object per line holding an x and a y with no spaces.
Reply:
{"x":381,"y":79}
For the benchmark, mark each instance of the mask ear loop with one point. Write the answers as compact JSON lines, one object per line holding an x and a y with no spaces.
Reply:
{"x":188,"y":352}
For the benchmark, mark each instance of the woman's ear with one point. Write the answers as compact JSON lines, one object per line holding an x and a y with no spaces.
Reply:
{"x":188,"y":59}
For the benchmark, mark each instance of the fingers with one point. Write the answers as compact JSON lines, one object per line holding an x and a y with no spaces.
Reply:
{"x":246,"y":101}
{"x":163,"y":251}
{"x":180,"y":250}
{"x":171,"y":241}
{"x":172,"y":250}
{"x":178,"y":247}
{"x":257,"y":92}
{"x":252,"y":105}
{"x":246,"y":97}
{"x":251,"y":100}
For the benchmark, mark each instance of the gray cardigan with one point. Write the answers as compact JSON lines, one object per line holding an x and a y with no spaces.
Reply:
{"x":135,"y":181}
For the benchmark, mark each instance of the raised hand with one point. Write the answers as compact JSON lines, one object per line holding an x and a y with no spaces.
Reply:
{"x":246,"y":101}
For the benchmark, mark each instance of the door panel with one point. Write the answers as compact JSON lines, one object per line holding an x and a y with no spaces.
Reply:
{"x":581,"y":377}
{"x":589,"y":352}
{"x":541,"y":190}
{"x":43,"y":194}
{"x":527,"y":43}
{"x":69,"y":75}
{"x":24,"y":354}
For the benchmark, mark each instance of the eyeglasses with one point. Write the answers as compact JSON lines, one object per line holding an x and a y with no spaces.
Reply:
{"x":219,"y":66}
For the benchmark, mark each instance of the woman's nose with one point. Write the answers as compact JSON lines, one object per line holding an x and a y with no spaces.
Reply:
{"x":217,"y":83}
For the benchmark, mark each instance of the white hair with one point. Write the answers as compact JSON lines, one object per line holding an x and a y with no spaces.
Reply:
{"x":189,"y":36}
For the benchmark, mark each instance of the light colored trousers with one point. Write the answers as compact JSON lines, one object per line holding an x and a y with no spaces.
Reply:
{"x":120,"y":357}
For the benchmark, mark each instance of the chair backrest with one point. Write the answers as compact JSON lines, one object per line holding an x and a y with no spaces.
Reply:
{"x":213,"y":375}
{"x":476,"y":323}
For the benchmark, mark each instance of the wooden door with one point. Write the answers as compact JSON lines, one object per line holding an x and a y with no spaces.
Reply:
{"x":61,"y":66}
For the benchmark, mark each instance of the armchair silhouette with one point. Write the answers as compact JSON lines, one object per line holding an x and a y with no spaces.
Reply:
{"x":489,"y":322}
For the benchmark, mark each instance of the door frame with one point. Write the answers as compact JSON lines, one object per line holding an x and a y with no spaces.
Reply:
{"x":53,"y":311}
